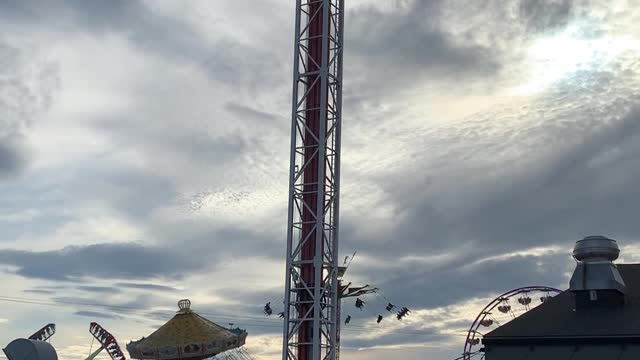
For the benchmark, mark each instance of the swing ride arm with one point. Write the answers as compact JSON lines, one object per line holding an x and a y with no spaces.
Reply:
{"x":45,"y":333}
{"x":107,"y":341}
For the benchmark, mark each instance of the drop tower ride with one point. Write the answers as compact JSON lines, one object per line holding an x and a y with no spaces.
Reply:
{"x":311,"y":324}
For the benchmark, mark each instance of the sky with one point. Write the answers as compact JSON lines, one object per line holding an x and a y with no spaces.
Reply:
{"x":144,"y":157}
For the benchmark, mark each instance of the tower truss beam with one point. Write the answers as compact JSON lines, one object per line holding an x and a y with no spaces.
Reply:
{"x":311,"y":294}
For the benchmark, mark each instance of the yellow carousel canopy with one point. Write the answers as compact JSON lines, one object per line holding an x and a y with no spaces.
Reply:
{"x":187,"y":336}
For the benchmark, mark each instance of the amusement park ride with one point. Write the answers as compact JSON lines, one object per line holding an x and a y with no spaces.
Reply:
{"x":107,"y":342}
{"x":503,"y":309}
{"x":36,"y":347}
{"x":185,"y":336}
{"x":313,"y":283}
{"x":45,"y":333}
{"x":311,"y":286}
{"x":348,"y":291}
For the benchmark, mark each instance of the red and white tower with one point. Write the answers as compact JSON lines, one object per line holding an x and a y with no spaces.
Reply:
{"x":311,"y":296}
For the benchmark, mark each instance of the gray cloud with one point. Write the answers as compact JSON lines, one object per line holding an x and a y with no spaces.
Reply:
{"x":246,"y":113}
{"x":135,"y":305}
{"x":227,"y":240}
{"x":129,"y":261}
{"x":146,"y":286}
{"x":159,"y":315}
{"x":20,"y":101}
{"x":567,"y":188}
{"x":545,"y":15}
{"x":399,"y":338}
{"x":459,"y":279}
{"x":98,"y":289}
{"x":20,"y":97}
{"x":552,"y":174}
{"x":10,"y":158}
{"x":406,"y":44}
{"x":175,"y":158}
{"x":39,"y":291}
{"x":151,"y":31}
{"x":132,"y":18}
{"x":97,"y":314}
{"x":133,"y":192}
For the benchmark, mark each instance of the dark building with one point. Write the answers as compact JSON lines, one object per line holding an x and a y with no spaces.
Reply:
{"x":597,"y":318}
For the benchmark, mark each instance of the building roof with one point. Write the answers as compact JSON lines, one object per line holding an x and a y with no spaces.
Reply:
{"x":557,"y":318}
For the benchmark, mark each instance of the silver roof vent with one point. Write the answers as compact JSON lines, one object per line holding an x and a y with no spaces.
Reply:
{"x":595,"y":272}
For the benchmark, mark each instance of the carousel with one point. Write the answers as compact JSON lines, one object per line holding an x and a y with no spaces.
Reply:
{"x":189,"y":336}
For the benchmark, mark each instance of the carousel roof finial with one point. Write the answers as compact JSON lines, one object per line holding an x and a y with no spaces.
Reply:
{"x":184,"y":305}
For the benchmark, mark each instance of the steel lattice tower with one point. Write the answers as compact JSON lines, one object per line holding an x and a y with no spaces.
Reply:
{"x":311,"y":295}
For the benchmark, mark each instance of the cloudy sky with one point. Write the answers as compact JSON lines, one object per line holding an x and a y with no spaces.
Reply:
{"x":144,"y":157}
